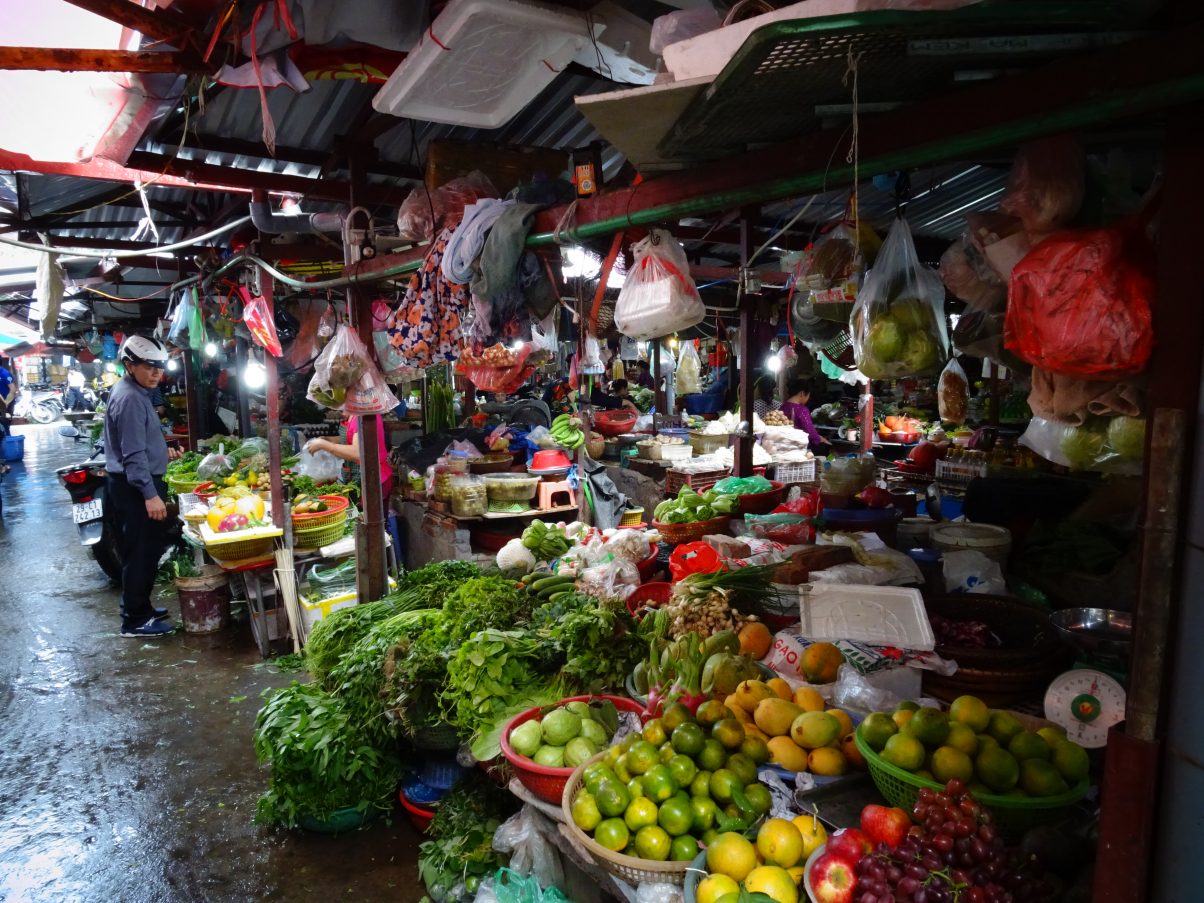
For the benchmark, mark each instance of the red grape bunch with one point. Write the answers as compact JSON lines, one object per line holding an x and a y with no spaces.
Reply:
{"x":952,"y":854}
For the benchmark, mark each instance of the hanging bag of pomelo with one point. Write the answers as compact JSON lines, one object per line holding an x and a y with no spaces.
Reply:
{"x":898,"y":323}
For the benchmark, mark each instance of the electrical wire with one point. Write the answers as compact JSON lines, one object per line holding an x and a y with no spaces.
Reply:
{"x":103,"y":255}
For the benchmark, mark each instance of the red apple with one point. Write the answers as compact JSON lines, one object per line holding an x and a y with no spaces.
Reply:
{"x":849,"y":844}
{"x":884,"y":825}
{"x":832,"y":879}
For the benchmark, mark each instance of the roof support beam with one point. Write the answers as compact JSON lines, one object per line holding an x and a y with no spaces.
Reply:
{"x":247,"y":179}
{"x":57,"y":59}
{"x":163,"y":25}
{"x":300,"y":156}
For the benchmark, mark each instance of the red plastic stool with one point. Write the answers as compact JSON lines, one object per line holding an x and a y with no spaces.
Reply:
{"x":549,"y":493}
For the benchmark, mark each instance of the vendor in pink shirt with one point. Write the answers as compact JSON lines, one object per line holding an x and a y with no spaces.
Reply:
{"x":349,"y":451}
{"x":798,"y":393}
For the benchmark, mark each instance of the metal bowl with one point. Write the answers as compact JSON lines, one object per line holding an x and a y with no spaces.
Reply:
{"x":1096,"y":632}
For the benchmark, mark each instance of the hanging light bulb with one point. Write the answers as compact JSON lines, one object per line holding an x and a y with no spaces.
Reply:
{"x":254,"y":376}
{"x":172,"y":365}
{"x":210,"y":349}
{"x":773,"y":363}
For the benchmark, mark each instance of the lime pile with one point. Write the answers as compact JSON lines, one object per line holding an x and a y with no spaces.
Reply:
{"x":564,"y":738}
{"x":657,"y":794}
{"x":988,"y":749}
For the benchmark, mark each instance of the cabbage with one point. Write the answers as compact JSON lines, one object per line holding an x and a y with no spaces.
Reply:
{"x":1082,"y":447}
{"x":1126,"y":435}
{"x":884,"y":341}
{"x":515,"y":556}
{"x":919,"y":353}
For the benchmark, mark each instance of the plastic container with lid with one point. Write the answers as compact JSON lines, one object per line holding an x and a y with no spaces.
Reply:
{"x":994,"y":542}
{"x":469,"y":497}
{"x":458,"y":461}
{"x":914,"y":533}
{"x":511,"y":487}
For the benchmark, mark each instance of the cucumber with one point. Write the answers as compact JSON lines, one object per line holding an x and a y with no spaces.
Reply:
{"x":556,"y":597}
{"x":545,"y":583}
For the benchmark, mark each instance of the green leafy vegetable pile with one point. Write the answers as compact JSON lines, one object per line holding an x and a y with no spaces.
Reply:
{"x":460,"y":845}
{"x":333,"y":636}
{"x":322,"y":758}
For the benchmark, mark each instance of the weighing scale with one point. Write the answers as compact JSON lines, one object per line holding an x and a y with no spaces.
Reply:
{"x":1090,"y":698}
{"x":1087,"y":703}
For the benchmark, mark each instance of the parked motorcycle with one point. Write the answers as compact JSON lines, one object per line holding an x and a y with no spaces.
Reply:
{"x":39,"y":404}
{"x":94,"y":517}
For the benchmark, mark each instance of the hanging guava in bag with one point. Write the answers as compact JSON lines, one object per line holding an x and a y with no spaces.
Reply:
{"x":898,"y":322}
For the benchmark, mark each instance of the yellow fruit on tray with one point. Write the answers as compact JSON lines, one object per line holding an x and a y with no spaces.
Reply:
{"x":820,"y":662}
{"x":812,"y":730}
{"x":251,"y":506}
{"x":785,"y":752}
{"x":809,"y":699}
{"x":750,"y":693}
{"x":848,"y":746}
{"x":827,"y":761}
{"x":781,"y":688}
{"x":846,"y":723}
{"x":774,"y":716}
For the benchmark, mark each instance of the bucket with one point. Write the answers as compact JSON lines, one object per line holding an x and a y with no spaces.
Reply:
{"x":914,"y":533}
{"x":12,"y":448}
{"x":204,"y":600}
{"x":994,"y":542}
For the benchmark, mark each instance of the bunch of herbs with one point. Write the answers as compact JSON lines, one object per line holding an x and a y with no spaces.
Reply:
{"x":459,"y":849}
{"x":322,"y":758}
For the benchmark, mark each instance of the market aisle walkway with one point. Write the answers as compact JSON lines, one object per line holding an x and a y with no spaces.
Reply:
{"x":128,"y":770}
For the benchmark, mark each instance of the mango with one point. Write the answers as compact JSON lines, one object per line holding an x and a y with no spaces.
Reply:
{"x":750,"y":693}
{"x":781,"y":688}
{"x":783,"y":751}
{"x":811,"y":730}
{"x":775,"y":716}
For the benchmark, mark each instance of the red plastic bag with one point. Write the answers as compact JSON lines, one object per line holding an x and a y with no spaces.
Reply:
{"x":423,"y":213}
{"x":810,"y":504}
{"x":259,"y":321}
{"x":488,"y":377}
{"x":1079,"y":304}
{"x":694,"y":558}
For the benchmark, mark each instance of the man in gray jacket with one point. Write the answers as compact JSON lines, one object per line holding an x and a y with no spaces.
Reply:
{"x":136,"y":456}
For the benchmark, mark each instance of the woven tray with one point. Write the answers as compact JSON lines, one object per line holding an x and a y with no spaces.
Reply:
{"x":627,"y":868}
{"x":679,"y":533}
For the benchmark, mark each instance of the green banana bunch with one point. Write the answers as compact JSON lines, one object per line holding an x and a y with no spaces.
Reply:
{"x":566,"y":430}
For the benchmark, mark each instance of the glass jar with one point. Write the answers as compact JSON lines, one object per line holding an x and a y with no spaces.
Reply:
{"x":468,"y":496}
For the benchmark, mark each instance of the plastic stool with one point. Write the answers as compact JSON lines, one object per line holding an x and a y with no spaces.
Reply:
{"x":549,"y":491}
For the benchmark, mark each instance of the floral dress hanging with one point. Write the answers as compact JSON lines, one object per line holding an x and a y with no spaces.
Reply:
{"x":424,"y":329}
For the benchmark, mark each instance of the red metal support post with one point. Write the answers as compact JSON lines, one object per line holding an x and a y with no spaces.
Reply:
{"x":370,"y":534}
{"x":267,"y":286}
{"x":744,"y":446}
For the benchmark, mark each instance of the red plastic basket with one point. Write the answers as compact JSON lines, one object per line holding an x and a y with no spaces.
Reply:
{"x":206,"y":491}
{"x":647,"y":567}
{"x":419,"y":816}
{"x":548,"y":783}
{"x":650,"y":595}
{"x":761,"y":502}
{"x":336,"y":505}
{"x":614,"y":423}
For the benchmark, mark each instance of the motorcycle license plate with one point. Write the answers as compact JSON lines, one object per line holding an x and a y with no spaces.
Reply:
{"x":86,"y":511}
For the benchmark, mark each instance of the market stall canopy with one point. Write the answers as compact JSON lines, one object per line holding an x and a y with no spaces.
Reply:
{"x":13,"y":334}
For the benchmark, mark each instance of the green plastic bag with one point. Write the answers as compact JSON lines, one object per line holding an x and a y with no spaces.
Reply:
{"x":196,"y":325}
{"x":511,"y":887}
{"x":743,"y":485}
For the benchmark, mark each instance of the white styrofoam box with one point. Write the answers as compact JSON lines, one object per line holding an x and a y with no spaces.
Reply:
{"x":705,"y":56}
{"x":313,"y":612}
{"x":482,"y":61}
{"x":621,"y":51}
{"x":879,"y":615}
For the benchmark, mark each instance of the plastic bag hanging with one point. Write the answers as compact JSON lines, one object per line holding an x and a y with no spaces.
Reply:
{"x":178,"y":333}
{"x":953,"y":393}
{"x":196,"y":324}
{"x":346,"y":379}
{"x":1079,"y":304}
{"x":659,"y":297}
{"x":898,"y":322}
{"x":257,"y":315}
{"x":689,"y":370}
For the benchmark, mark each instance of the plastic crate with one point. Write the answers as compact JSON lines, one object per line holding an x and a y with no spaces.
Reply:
{"x":960,"y":471}
{"x":795,"y":472}
{"x":699,"y":482}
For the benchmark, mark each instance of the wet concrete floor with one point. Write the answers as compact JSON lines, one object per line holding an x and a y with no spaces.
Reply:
{"x":127,"y":768}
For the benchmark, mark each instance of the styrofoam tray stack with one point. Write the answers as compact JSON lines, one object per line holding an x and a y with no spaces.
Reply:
{"x":878,"y":615}
{"x":482,"y":61}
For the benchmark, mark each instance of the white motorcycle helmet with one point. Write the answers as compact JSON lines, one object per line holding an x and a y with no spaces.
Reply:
{"x":137,"y":349}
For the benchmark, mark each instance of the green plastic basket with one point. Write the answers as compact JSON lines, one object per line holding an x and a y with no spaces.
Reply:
{"x":319,"y":536}
{"x":1013,"y":815}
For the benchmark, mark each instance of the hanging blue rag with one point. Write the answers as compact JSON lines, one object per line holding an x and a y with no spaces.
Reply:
{"x":465,"y":244}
